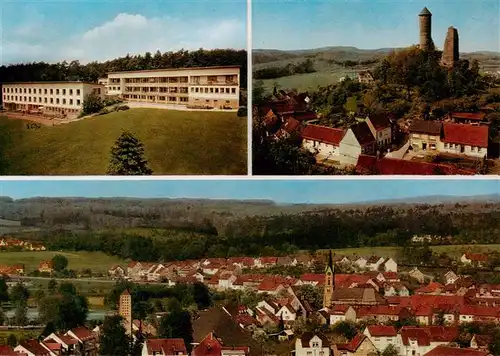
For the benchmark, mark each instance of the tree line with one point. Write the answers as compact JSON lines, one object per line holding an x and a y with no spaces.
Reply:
{"x":284,"y":234}
{"x":274,"y":72}
{"x":90,"y":72}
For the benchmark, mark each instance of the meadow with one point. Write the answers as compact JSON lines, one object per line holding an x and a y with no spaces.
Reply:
{"x":96,"y":261}
{"x":175,"y":143}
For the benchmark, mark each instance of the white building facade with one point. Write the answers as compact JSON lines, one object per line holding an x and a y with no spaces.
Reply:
{"x":48,"y":98}
{"x":201,"y":88}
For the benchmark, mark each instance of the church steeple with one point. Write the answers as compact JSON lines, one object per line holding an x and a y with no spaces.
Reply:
{"x":329,"y":281}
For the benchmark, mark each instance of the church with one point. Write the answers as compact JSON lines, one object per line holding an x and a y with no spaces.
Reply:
{"x":355,"y":297}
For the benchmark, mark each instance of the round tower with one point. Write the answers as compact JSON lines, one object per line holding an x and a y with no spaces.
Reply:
{"x":425,"y":21}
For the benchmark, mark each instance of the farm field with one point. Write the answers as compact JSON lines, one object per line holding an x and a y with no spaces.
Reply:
{"x":175,"y":142}
{"x":453,"y":250}
{"x":96,"y":261}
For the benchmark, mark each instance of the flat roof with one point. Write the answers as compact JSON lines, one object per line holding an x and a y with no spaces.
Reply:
{"x":53,"y":82}
{"x":175,"y":69}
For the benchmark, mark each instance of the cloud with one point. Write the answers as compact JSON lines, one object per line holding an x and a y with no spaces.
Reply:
{"x":125,"y":33}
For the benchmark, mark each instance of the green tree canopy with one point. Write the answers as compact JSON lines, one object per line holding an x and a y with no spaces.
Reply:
{"x":92,"y":103}
{"x":59,"y":263}
{"x":177,"y":324}
{"x":4,"y":291}
{"x":114,"y":339}
{"x":127,"y":157}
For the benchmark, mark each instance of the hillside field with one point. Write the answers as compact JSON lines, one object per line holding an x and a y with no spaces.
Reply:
{"x":329,"y":71}
{"x":175,"y":143}
{"x":454,"y":251}
{"x":96,"y":261}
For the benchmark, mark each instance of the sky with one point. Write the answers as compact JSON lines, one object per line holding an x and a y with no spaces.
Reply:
{"x":281,"y":191}
{"x":372,"y":24}
{"x":51,"y":31}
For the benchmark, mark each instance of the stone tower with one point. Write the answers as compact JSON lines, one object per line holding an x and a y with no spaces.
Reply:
{"x":425,"y":21}
{"x":125,"y":310}
{"x":450,"y":49}
{"x":329,"y":282}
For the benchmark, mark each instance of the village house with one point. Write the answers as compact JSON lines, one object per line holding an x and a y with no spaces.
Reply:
{"x":33,"y":348}
{"x":322,"y":140}
{"x":468,"y":117}
{"x":420,"y":340}
{"x":211,"y":345}
{"x":465,"y":140}
{"x":390,"y":265}
{"x":357,"y":140}
{"x":164,"y":347}
{"x":339,"y":313}
{"x":117,"y":272}
{"x":374,"y":262}
{"x":455,"y":351}
{"x":360,"y":345}
{"x":45,"y":267}
{"x":310,"y":344}
{"x":68,"y":344}
{"x":381,"y":128}
{"x":480,"y":341}
{"x":425,"y":135}
{"x":417,"y":275}
{"x":478,"y":259}
{"x":450,"y":277}
{"x":382,"y":336}
{"x":17,"y":270}
{"x":87,"y":340}
{"x":9,"y":351}
{"x":365,"y":77}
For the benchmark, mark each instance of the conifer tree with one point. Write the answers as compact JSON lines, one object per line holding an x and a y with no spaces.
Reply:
{"x":127,"y":157}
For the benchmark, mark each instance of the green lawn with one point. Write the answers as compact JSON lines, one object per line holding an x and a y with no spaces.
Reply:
{"x":175,"y":142}
{"x":96,"y":261}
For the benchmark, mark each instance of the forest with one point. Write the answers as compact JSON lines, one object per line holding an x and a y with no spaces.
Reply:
{"x":90,"y":72}
{"x":306,"y":66}
{"x":163,"y":229}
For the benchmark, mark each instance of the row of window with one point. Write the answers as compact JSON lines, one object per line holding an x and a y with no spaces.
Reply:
{"x":156,"y":90}
{"x":154,"y":80}
{"x":213,"y":90}
{"x":34,"y":91}
{"x":153,"y":98}
{"x":29,"y":99}
{"x":458,"y":147}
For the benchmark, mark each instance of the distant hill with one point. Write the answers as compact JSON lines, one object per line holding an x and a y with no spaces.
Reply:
{"x":327,"y":62}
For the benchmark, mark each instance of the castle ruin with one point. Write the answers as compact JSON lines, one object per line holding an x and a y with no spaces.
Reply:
{"x":450,"y":49}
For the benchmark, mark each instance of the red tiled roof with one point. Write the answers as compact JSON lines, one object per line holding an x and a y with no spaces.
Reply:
{"x":7,"y":351}
{"x":166,"y":346}
{"x":453,"y":351}
{"x":363,"y":133}
{"x":394,"y":166}
{"x":430,"y":288}
{"x":381,"y":330}
{"x":380,"y":122}
{"x":469,"y":115}
{"x":466,"y":134}
{"x":480,"y":311}
{"x":427,"y":334}
{"x":353,"y":345}
{"x":426,"y":127}
{"x":34,"y":347}
{"x":82,"y":333}
{"x":323,"y":134}
{"x":209,"y":346}
{"x":480,"y":257}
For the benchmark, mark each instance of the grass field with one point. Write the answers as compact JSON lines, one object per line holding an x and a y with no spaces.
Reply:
{"x":452,"y":250}
{"x":96,"y":261}
{"x":175,"y":142}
